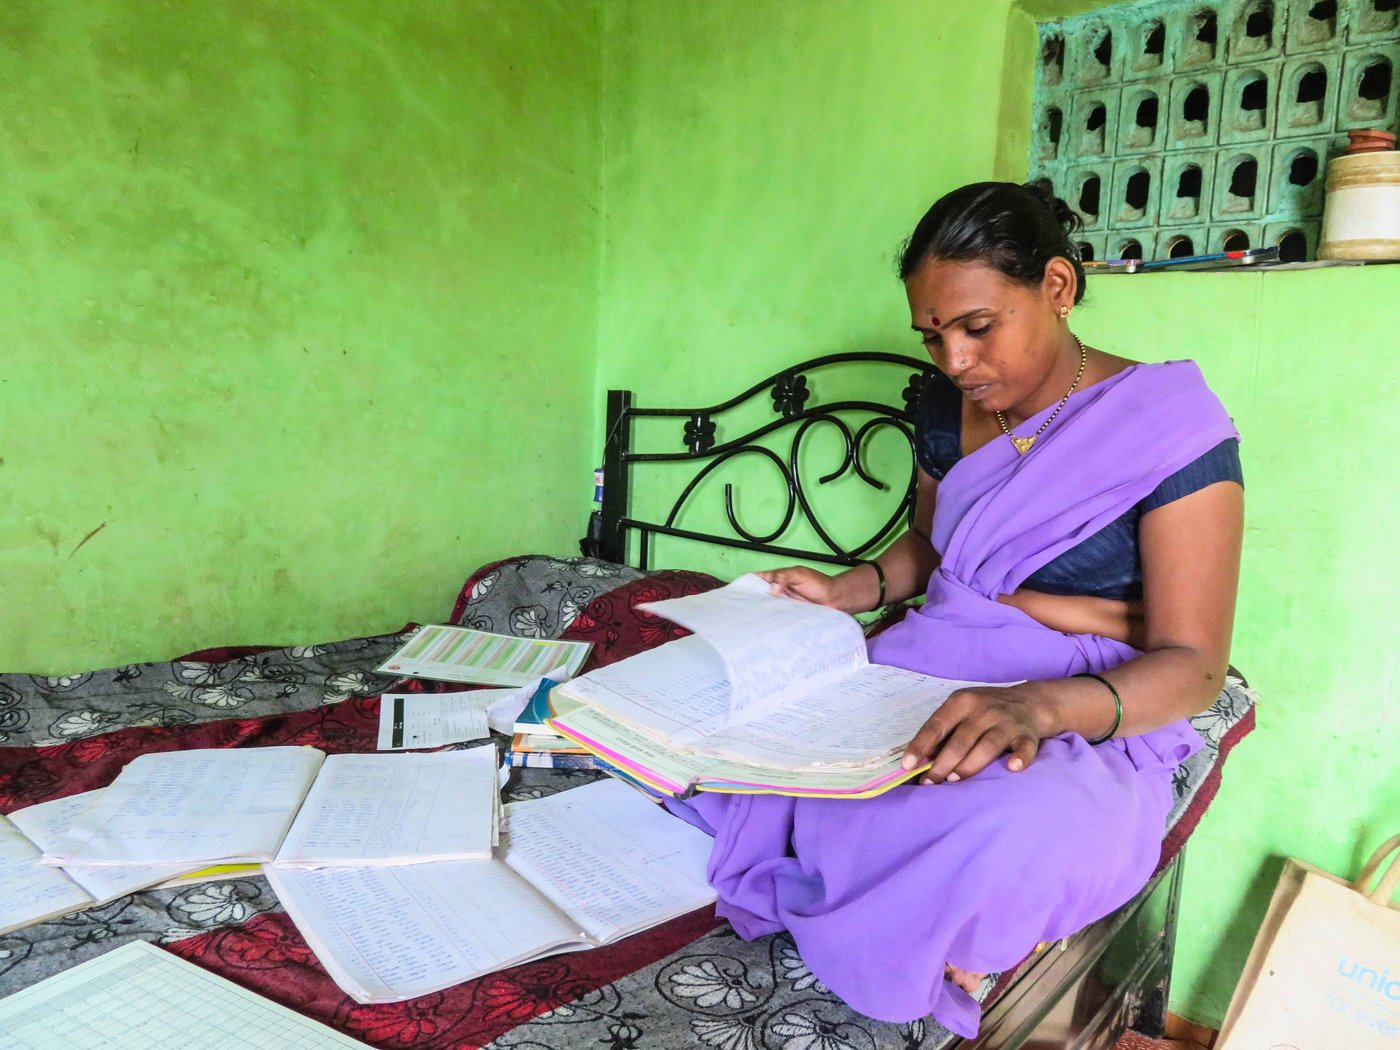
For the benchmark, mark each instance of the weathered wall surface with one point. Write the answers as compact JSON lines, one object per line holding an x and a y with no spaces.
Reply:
{"x":298,"y":306}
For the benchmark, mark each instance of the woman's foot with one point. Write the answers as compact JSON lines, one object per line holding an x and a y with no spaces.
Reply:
{"x":964,"y":979}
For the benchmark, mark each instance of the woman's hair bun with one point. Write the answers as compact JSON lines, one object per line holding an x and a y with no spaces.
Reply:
{"x":1015,"y":228}
{"x":1044,"y":191}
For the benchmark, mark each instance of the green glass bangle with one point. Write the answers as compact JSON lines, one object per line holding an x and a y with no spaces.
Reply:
{"x":880,"y":574}
{"x":1117,"y":704}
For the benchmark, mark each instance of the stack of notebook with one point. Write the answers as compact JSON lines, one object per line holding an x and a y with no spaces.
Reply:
{"x":538,"y":745}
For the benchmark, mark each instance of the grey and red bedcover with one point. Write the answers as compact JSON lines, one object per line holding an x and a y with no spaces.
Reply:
{"x":689,"y":982}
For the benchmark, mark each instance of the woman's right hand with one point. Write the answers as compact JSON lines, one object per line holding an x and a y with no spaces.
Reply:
{"x":853,"y":591}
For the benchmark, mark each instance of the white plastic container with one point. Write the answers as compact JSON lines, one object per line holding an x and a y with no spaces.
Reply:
{"x":1361,"y":219}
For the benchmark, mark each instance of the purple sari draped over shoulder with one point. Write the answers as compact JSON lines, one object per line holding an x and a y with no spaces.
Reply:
{"x":879,"y":894}
{"x":1001,"y":516}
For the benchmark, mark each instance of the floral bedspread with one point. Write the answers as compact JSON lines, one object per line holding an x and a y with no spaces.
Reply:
{"x":690,"y":982}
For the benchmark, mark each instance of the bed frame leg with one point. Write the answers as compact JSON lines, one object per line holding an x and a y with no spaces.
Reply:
{"x":1150,"y":1018}
{"x":612,"y":544}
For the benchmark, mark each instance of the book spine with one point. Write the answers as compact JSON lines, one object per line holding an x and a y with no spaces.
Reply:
{"x":546,"y":760}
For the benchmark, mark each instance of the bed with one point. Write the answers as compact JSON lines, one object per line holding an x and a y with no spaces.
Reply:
{"x":690,"y":982}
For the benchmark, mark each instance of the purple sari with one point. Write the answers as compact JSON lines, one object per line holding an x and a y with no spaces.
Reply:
{"x":879,"y":894}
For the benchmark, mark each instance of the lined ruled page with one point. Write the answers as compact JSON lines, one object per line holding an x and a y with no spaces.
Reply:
{"x":678,"y":692}
{"x":388,"y":934}
{"x":46,"y":823}
{"x":774,"y":647}
{"x":210,"y":805}
{"x":860,"y":720}
{"x":32,"y":892}
{"x":609,"y":857}
{"x":396,"y":809}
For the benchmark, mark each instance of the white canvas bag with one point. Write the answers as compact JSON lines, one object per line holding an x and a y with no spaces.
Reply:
{"x":1324,"y":972}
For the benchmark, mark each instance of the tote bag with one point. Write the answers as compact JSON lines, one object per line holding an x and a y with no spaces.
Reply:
{"x":1324,"y":972}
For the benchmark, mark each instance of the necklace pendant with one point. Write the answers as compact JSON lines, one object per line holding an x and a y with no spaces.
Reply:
{"x":1023,"y":445}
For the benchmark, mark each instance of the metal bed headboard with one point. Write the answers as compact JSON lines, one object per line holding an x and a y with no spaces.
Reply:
{"x":794,"y":407}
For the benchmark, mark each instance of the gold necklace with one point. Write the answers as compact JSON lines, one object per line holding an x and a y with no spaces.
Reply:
{"x":1023,"y":445}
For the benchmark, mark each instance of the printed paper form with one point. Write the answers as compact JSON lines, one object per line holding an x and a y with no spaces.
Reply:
{"x":458,"y":654}
{"x":610,"y":858}
{"x":46,"y":823}
{"x":410,"y":720}
{"x":774,"y":647}
{"x":207,"y":806}
{"x":139,"y":997}
{"x":388,"y":934}
{"x":396,"y":809}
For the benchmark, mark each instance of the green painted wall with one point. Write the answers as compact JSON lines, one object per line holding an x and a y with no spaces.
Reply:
{"x":276,"y":281}
{"x":298,"y":306}
{"x":1305,"y":362}
{"x":756,"y":186}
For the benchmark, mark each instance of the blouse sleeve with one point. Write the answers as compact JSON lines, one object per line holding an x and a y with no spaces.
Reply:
{"x":1222,"y":463}
{"x":938,"y":426}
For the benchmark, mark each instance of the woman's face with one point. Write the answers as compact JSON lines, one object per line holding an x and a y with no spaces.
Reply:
{"x":992,"y":336}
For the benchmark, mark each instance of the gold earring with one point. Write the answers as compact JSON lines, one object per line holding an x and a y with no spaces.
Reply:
{"x":1064,"y":312}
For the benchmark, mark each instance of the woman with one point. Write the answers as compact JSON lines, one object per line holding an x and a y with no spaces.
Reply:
{"x":1077,"y":527}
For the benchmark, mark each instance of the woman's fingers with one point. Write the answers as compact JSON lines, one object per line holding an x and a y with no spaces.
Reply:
{"x":1023,"y":752}
{"x":927,"y":740}
{"x":800,"y":582}
{"x":972,"y":729}
{"x":959,"y":745}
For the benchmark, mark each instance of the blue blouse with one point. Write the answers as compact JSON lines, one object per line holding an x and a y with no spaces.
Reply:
{"x":1108,"y":563}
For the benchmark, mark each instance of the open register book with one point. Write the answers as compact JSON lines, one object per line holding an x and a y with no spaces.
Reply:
{"x":287,"y":806}
{"x":769,"y":695}
{"x":34,"y":892}
{"x":578,"y":869}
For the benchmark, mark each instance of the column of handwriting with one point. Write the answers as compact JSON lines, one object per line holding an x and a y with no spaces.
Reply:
{"x":609,"y":857}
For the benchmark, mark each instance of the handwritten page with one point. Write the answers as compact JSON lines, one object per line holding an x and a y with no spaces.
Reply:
{"x":389,"y":934}
{"x":858,"y":721}
{"x":613,"y":861}
{"x":32,"y":892}
{"x":458,"y":654}
{"x":609,"y":857}
{"x":773,"y":647}
{"x":209,"y":805}
{"x":138,"y":996}
{"x":46,"y":823}
{"x":396,"y":809}
{"x":678,"y":692}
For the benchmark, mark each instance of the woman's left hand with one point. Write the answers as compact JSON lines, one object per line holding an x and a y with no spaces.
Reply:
{"x":974,"y":728}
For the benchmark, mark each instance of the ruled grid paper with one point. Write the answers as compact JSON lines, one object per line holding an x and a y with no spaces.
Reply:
{"x":139,"y":997}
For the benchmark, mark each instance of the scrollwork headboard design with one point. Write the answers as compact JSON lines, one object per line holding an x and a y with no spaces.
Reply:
{"x":796,"y":408}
